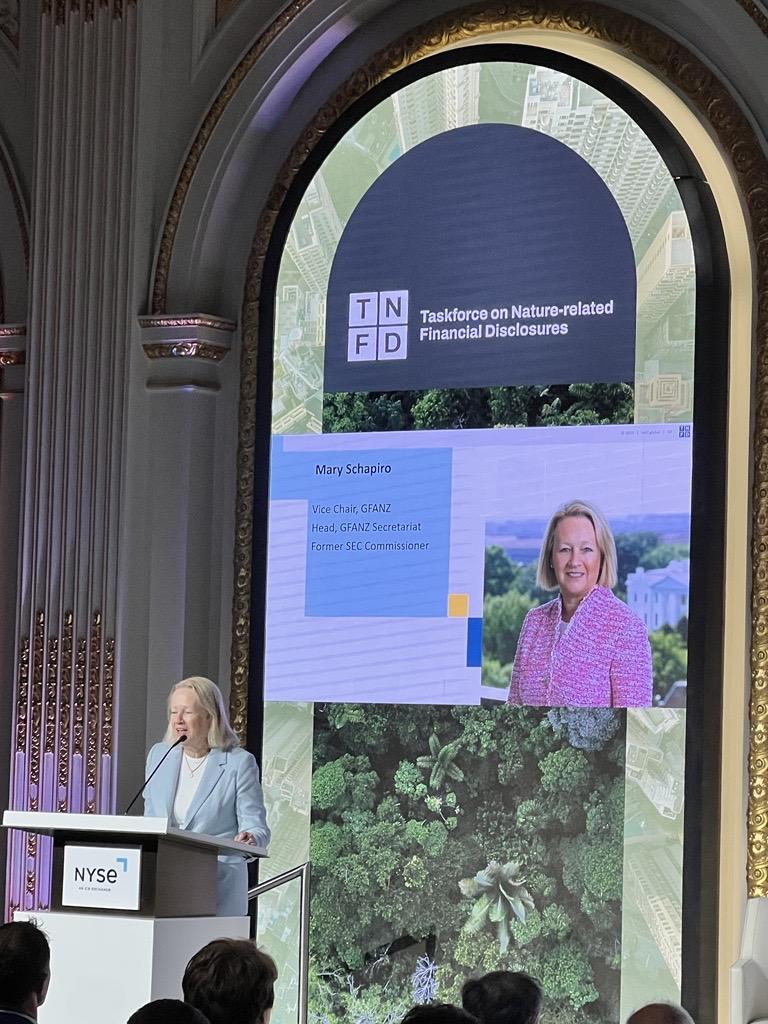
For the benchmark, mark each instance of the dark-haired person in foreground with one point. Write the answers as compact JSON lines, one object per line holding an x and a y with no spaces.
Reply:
{"x":231,"y":982}
{"x":660,"y":1013}
{"x":167,"y":1011}
{"x":25,"y":959}
{"x":503,"y":997}
{"x":438,"y":1013}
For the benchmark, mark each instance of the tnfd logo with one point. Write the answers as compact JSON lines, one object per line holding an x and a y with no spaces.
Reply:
{"x":378,"y":326}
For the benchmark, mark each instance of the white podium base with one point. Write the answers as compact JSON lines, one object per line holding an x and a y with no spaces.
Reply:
{"x":103,"y":967}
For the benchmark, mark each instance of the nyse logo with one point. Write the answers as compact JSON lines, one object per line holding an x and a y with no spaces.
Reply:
{"x":378,"y":326}
{"x":100,"y":875}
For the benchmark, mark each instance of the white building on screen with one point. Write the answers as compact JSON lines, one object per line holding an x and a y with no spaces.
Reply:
{"x":660,"y":596}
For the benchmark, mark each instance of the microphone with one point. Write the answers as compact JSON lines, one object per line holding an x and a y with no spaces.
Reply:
{"x":144,"y":785}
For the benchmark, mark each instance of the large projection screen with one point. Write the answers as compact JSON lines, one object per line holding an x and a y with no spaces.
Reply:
{"x":484,"y":314}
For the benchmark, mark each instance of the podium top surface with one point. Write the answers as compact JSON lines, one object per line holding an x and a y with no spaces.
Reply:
{"x":51,"y":822}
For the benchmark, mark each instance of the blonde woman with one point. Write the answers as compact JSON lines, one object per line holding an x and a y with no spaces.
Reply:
{"x":208,"y":784}
{"x":586,"y":648}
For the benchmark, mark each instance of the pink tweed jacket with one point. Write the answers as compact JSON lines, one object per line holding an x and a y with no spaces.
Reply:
{"x":602,"y":660}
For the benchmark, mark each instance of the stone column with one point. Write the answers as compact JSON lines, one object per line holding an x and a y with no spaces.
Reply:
{"x":78,"y":340}
{"x":190,"y":383}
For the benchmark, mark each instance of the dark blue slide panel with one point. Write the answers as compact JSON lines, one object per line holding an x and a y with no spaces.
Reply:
{"x":488,"y":255}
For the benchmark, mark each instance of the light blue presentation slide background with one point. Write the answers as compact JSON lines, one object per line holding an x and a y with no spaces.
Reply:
{"x":371,"y":536}
{"x":348,"y":653}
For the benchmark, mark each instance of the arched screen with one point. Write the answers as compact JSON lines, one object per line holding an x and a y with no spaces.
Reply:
{"x":475,"y":653}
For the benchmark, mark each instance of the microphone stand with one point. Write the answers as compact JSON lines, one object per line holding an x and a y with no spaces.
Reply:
{"x":144,"y":785}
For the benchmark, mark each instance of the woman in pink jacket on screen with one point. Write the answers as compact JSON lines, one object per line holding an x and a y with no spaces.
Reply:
{"x":586,"y":648}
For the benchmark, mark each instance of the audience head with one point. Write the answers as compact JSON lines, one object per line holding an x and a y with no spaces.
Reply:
{"x":438,"y":1013}
{"x":231,"y":982}
{"x":24,"y":967}
{"x":660,"y":1013}
{"x":503,"y":997}
{"x":167,"y":1011}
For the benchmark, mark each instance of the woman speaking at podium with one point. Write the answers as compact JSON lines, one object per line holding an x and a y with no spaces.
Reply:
{"x":208,"y":783}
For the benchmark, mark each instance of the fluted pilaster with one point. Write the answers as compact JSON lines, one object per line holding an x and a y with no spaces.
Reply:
{"x":77,"y":347}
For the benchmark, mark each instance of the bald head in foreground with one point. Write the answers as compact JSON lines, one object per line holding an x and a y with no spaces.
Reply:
{"x":660,"y":1013}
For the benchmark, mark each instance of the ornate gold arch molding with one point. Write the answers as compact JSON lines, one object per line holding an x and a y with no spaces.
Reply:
{"x":756,"y":14}
{"x":688,"y":76}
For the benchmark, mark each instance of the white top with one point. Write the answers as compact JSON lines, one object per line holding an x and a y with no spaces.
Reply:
{"x":190,"y":773}
{"x":562,"y":628}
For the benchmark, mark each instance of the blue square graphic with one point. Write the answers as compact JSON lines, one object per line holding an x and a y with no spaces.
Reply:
{"x":378,"y":528}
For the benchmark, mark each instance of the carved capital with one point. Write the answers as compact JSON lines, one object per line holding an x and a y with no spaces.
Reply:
{"x":196,"y":336}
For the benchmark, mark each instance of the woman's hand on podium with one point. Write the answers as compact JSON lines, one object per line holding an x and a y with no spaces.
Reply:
{"x":245,"y":837}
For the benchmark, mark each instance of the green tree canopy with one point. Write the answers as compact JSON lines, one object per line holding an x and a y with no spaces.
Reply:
{"x":661,"y":555}
{"x":456,"y":408}
{"x":502,"y":621}
{"x":670,"y":658}
{"x":389,"y":855}
{"x":346,"y":781}
{"x":500,"y":572}
{"x":565,"y":771}
{"x":630,"y":549}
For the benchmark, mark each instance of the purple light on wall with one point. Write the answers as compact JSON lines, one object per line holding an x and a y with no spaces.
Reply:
{"x":284,"y":91}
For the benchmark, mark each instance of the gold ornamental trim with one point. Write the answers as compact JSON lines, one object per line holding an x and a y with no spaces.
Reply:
{"x":51,"y":696}
{"x":216,"y":323}
{"x":757,"y":14}
{"x":78,"y":728}
{"x":672,"y":63}
{"x":12,"y":357}
{"x":108,"y":699}
{"x":62,"y":9}
{"x":36,"y":706}
{"x":65,"y":711}
{"x":63,"y":718}
{"x":22,"y":697}
{"x":196,"y":150}
{"x":93,"y":715}
{"x":185,"y":350}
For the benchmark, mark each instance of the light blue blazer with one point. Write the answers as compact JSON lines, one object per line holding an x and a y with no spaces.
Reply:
{"x":228,"y":800}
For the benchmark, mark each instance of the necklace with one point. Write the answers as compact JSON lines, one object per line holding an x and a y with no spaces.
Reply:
{"x":188,"y":760}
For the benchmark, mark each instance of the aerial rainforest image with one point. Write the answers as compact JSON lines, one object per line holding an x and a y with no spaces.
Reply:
{"x":449,"y":841}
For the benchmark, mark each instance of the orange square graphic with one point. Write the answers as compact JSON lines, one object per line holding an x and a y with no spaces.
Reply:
{"x":458,"y":606}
